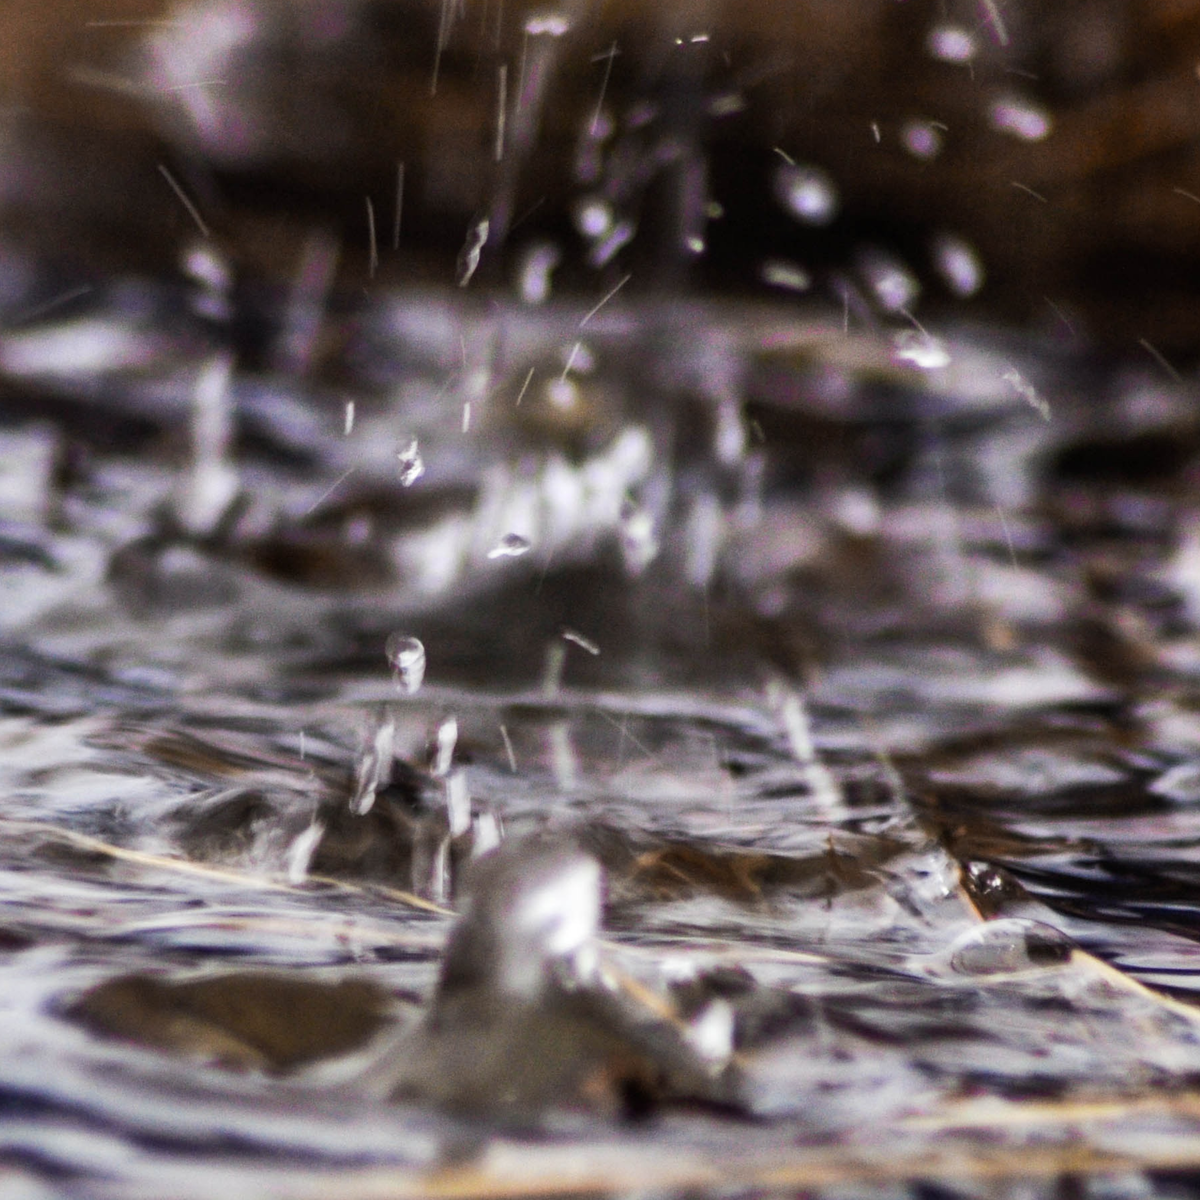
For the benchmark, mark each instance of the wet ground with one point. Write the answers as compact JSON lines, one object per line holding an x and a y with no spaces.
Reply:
{"x":689,"y":748}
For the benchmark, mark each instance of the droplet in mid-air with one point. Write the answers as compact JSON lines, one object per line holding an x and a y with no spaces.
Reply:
{"x":807,"y":193}
{"x":1021,"y":118}
{"x":922,"y":139}
{"x":958,"y":265}
{"x":511,"y":545}
{"x":412,"y":465}
{"x":952,"y":43}
{"x":406,"y":655}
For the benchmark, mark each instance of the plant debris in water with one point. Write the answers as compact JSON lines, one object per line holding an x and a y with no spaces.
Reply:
{"x":507,"y":740}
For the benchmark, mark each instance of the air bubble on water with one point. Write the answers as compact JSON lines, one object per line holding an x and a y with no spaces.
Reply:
{"x":1020,"y":117}
{"x":374,"y":767}
{"x":806,"y":192}
{"x":1009,"y":946}
{"x":445,"y":740}
{"x":593,"y":216}
{"x":412,"y":465}
{"x":695,"y":244}
{"x":511,"y":545}
{"x":957,"y":263}
{"x":406,"y":656}
{"x":922,"y":139}
{"x":781,"y":273}
{"x":891,"y":284}
{"x":920,"y":349}
{"x":952,"y":43}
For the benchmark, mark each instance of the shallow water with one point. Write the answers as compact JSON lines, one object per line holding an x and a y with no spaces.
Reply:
{"x":876,"y":710}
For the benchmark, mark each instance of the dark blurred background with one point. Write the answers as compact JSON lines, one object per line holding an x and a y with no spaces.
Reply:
{"x":1055,"y":146}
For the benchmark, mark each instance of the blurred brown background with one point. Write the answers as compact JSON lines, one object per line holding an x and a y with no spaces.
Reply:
{"x":1060,"y":141}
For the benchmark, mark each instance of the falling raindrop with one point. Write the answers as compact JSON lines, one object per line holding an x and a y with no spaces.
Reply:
{"x":780,"y":273}
{"x":593,"y":217}
{"x":552,"y":24}
{"x":533,"y":274}
{"x":922,"y":139}
{"x":1021,"y":118}
{"x":412,"y":465}
{"x":468,"y":256}
{"x":511,"y":545}
{"x":639,"y":545}
{"x":958,"y":265}
{"x":892,"y":285}
{"x":952,"y":43}
{"x":406,"y":655}
{"x":808,"y":193}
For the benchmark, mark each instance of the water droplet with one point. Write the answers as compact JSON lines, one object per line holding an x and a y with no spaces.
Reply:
{"x":892,"y":285}
{"x":1021,"y":118}
{"x":808,"y":193}
{"x":412,"y":465}
{"x":468,"y":256}
{"x":593,"y":217}
{"x":922,"y":139}
{"x":780,"y":273}
{"x":639,"y":546}
{"x":952,"y":43}
{"x":552,"y":24}
{"x":958,"y":265}
{"x":407,"y":658}
{"x":920,"y":349}
{"x":533,"y":276}
{"x":511,"y":545}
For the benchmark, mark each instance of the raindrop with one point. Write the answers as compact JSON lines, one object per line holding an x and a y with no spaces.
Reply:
{"x":952,"y":43}
{"x":552,"y":24}
{"x":605,"y":250}
{"x":406,"y":655}
{"x":920,"y":349}
{"x":958,"y":265}
{"x":511,"y":545}
{"x":533,"y":278}
{"x":808,"y":193}
{"x":412,"y":465}
{"x":780,"y":273}
{"x":639,"y":546}
{"x":1020,"y":117}
{"x":593,"y":217}
{"x":922,"y":139}
{"x":468,"y":256}
{"x":892,"y":285}
{"x":1023,"y":388}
